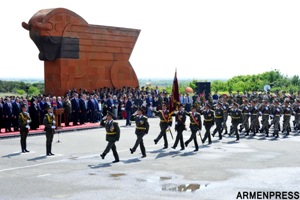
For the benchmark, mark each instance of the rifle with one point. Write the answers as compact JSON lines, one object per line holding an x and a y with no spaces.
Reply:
{"x":169,"y":129}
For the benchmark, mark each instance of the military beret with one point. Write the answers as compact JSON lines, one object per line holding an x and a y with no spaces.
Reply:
{"x":110,"y":114}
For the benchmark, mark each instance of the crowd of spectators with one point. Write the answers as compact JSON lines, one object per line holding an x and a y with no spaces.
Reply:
{"x":82,"y":106}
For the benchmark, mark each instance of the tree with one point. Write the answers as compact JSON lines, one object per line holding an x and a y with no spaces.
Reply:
{"x":33,"y":91}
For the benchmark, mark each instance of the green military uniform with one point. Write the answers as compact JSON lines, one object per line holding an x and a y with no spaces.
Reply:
{"x":142,"y":128}
{"x":276,"y":114}
{"x":225,"y":116}
{"x":49,"y":122}
{"x":245,"y":117}
{"x":180,"y":119}
{"x":24,"y":120}
{"x":208,"y":122}
{"x":195,"y":126}
{"x":254,"y":126}
{"x":219,"y":116}
{"x":165,"y":122}
{"x":287,"y":112}
{"x":265,"y":113}
{"x":112,"y":135}
{"x":236,"y":118}
{"x":296,"y":112}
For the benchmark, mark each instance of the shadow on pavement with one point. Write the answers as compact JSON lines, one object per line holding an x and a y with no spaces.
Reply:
{"x":161,"y":155}
{"x":100,"y":165}
{"x":188,"y":153}
{"x":37,"y":158}
{"x":12,"y":155}
{"x":134,"y":160}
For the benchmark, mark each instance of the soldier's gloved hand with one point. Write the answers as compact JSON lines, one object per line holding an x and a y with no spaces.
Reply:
{"x":278,"y":109}
{"x":249,"y":113}
{"x":53,"y":127}
{"x":27,"y":126}
{"x":168,"y":127}
{"x":288,"y":109}
{"x":175,"y":112}
{"x":28,"y":121}
{"x":260,"y":113}
{"x":54,"y":122}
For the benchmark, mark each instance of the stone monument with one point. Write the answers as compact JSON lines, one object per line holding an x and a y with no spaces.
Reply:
{"x":80,"y":55}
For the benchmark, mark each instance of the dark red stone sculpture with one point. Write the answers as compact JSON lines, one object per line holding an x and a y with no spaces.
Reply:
{"x":81,"y":55}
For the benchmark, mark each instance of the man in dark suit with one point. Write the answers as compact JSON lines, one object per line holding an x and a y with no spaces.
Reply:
{"x":82,"y":109}
{"x":91,"y":109}
{"x":75,"y":109}
{"x":112,"y":136}
{"x":16,"y":111}
{"x":8,"y":113}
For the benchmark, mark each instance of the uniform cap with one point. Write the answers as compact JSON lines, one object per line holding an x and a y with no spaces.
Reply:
{"x":110,"y":114}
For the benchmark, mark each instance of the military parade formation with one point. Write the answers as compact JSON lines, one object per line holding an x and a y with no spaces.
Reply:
{"x":219,"y":115}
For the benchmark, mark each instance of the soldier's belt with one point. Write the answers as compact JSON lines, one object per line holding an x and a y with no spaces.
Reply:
{"x":111,"y":133}
{"x":236,"y":117}
{"x":208,"y":120}
{"x":140,"y":128}
{"x":266,"y":114}
{"x":163,"y":121}
{"x":192,"y":123}
{"x":277,"y":115}
{"x":254,"y":114}
{"x":218,"y":117}
{"x":287,"y":114}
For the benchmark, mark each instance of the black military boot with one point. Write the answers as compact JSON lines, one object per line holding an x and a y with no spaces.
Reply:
{"x":103,"y":155}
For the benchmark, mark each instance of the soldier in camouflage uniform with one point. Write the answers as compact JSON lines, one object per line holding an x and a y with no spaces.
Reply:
{"x":276,"y":113}
{"x":287,"y":112}
{"x":219,"y":120}
{"x":265,"y":113}
{"x":245,"y":117}
{"x":225,"y":115}
{"x":254,"y":117}
{"x":296,"y":113}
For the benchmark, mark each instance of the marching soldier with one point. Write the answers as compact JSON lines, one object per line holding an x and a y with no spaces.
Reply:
{"x":179,"y":126}
{"x":265,"y":113}
{"x":245,"y":117}
{"x":296,"y":112}
{"x":165,"y":124}
{"x":236,"y":118}
{"x":142,"y":128}
{"x":24,"y":121}
{"x":276,"y":113}
{"x":208,"y":122}
{"x":254,"y":117}
{"x":112,"y":136}
{"x":195,"y":125}
{"x":225,"y":114}
{"x":219,"y":120}
{"x":49,"y":122}
{"x":287,"y":111}
{"x":197,"y":103}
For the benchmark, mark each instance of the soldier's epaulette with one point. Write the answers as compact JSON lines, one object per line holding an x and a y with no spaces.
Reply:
{"x":115,"y":122}
{"x":145,"y":117}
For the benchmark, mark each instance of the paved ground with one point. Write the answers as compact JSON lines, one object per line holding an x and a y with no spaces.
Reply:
{"x":218,"y":171}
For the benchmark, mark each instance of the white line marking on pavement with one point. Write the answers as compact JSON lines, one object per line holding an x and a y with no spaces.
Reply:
{"x":43,"y":175}
{"x":58,"y":161}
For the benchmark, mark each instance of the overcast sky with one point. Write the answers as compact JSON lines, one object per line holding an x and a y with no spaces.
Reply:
{"x":211,"y":39}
